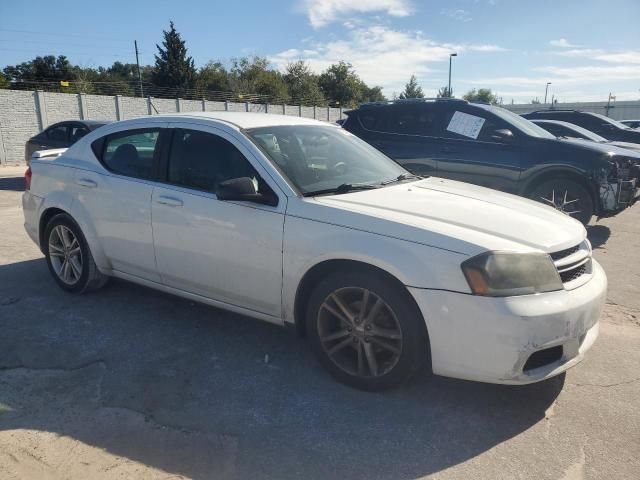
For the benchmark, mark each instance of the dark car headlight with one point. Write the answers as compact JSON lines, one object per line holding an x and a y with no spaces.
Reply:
{"x":502,"y":274}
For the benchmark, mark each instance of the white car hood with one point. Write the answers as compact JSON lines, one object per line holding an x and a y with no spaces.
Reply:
{"x":452,"y":215}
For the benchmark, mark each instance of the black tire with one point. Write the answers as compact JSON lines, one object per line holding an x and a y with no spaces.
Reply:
{"x":577,"y":203}
{"x":88,"y":277}
{"x":400,"y":309}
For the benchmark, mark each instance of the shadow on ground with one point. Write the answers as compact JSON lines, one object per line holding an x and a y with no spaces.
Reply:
{"x":196,"y":379}
{"x":15,"y":184}
{"x":598,"y":235}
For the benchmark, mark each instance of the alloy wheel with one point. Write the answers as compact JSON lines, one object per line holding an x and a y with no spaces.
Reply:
{"x":65,"y":254}
{"x":562,"y":202}
{"x":359,"y":332}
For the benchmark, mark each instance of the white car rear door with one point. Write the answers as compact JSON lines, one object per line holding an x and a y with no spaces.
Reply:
{"x":118,"y":201}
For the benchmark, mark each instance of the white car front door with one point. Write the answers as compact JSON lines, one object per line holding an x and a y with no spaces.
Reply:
{"x":226,"y":251}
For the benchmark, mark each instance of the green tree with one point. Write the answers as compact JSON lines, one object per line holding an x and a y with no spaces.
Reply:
{"x":44,"y":69}
{"x":341,"y":85}
{"x":174,"y":69}
{"x":213,"y":77}
{"x":444,"y":92}
{"x":482,"y":95}
{"x":372,"y":94}
{"x":535,"y":101}
{"x":4,"y":82}
{"x":302,"y":84}
{"x":412,"y":89}
{"x":252,"y":75}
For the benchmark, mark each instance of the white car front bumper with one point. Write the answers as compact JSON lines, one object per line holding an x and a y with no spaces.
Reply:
{"x":491,"y":339}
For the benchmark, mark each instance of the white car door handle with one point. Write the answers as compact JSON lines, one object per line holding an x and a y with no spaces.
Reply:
{"x":85,"y":182}
{"x":169,"y":201}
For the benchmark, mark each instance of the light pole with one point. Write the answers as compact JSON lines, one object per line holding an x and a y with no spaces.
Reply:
{"x":451,"y":55}
{"x":546,"y":90}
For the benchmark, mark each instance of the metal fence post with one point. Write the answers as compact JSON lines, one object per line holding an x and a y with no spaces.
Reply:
{"x":119,"y":112}
{"x":226,"y":105}
{"x":299,"y":110}
{"x":149,"y":105}
{"x":284,"y":108}
{"x":266,"y":108}
{"x":82,"y":102}
{"x":3,"y":153}
{"x":204,"y":105}
{"x":328,"y":114}
{"x":178,"y":105}
{"x":41,"y":110}
{"x":246,"y":107}
{"x":315,"y":112}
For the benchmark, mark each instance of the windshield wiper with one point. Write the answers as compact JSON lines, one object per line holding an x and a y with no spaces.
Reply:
{"x":343,"y":188}
{"x":400,"y":178}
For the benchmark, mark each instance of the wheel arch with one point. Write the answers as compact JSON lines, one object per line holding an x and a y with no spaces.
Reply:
{"x":87,"y":230}
{"x":570,"y":174}
{"x":320,"y":270}
{"x":45,"y":218}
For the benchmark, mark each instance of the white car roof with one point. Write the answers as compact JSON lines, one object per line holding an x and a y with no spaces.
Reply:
{"x":244,"y":119}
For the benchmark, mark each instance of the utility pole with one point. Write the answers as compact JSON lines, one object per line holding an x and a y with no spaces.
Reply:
{"x":135,"y":43}
{"x":451,"y":55}
{"x":546,"y":90}
{"x":609,"y":103}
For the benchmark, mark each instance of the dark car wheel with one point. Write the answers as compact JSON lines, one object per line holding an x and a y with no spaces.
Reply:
{"x":566,"y":196}
{"x":366,"y":331}
{"x":69,"y":258}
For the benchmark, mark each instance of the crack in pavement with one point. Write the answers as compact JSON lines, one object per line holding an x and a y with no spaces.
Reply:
{"x":148,"y":417}
{"x":625,"y":382}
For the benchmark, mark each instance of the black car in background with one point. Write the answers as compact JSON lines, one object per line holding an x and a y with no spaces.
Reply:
{"x":60,"y":135}
{"x":569,"y":130}
{"x":495,"y":148}
{"x":602,"y":125}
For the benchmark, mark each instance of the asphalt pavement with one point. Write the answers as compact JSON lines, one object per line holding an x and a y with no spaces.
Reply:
{"x":128,"y":382}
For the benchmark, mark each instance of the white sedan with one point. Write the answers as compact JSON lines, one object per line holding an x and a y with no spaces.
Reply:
{"x":298,"y":222}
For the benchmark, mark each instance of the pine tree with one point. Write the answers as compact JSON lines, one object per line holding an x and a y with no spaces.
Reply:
{"x":412,"y":89}
{"x":174,"y":69}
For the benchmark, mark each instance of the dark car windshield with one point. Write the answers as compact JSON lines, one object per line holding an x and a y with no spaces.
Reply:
{"x":318,"y":158}
{"x":584,"y":133}
{"x":519,"y":122}
{"x":617,"y":124}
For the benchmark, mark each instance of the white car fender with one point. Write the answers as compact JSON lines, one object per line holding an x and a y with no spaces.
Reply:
{"x":308,"y":243}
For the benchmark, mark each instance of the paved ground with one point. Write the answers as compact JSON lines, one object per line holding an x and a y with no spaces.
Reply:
{"x":130,"y":383}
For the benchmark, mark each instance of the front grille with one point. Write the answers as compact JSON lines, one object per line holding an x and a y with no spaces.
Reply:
{"x":564,"y":253}
{"x":572,"y":263}
{"x":570,"y":275}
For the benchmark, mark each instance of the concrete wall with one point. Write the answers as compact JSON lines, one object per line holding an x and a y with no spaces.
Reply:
{"x":19,"y":120}
{"x":24,"y":114}
{"x":623,"y":110}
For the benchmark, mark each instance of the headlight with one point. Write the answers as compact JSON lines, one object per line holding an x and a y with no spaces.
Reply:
{"x":502,"y":274}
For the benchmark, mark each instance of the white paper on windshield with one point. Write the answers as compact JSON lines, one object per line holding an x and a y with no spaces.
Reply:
{"x":465,"y":124}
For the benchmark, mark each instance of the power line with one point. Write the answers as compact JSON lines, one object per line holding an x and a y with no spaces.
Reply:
{"x":58,"y":34}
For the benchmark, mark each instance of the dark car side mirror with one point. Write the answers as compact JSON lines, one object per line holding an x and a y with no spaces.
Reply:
{"x":502,"y":134}
{"x":243,"y":189}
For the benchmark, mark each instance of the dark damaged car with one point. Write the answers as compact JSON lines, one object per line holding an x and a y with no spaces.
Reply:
{"x":493,"y":147}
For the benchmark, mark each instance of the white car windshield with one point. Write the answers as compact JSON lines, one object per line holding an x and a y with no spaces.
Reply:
{"x":323,"y":160}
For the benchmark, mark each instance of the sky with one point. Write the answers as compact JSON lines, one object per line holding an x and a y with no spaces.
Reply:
{"x":585,"y":48}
